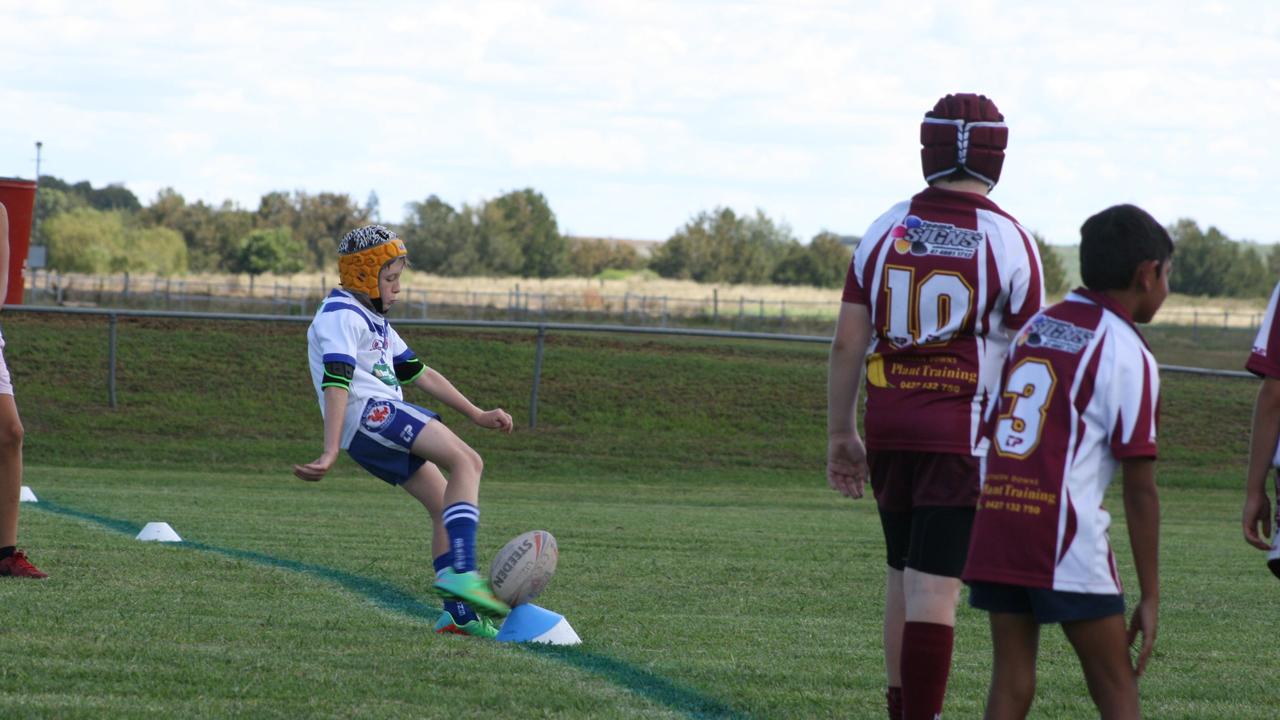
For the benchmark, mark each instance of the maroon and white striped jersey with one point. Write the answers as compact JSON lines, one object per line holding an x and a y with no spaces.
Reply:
{"x":1264,"y":361}
{"x":1080,"y":392}
{"x":947,"y":277}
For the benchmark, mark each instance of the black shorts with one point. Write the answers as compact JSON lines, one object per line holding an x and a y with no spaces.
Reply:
{"x":934,"y":540}
{"x":926,"y":502}
{"x":1046,"y":606}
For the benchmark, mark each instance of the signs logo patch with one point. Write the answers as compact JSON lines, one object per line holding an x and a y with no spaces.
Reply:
{"x":918,"y":237}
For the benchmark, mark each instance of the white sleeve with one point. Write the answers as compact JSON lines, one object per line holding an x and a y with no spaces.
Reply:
{"x":339,"y":334}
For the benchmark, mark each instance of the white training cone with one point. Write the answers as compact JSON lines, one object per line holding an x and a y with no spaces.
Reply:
{"x":530,"y":623}
{"x":26,"y":495}
{"x":158,"y":532}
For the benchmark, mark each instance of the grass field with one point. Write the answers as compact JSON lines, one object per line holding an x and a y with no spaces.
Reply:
{"x":703,"y":561}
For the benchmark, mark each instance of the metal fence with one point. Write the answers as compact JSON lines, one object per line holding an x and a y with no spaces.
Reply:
{"x":540,"y":331}
{"x":586,"y":305}
{"x":717,"y":309}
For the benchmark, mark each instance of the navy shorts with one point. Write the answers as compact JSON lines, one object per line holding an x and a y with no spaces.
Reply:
{"x":1046,"y":606}
{"x":383,"y":441}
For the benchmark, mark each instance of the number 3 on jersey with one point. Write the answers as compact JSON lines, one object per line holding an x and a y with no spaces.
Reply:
{"x":930,"y":311}
{"x":1029,"y":389}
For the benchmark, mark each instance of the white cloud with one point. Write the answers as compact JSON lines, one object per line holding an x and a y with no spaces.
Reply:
{"x":631,"y":116}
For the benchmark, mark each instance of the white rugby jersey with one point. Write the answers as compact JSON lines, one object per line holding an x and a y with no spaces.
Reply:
{"x":346,"y":331}
{"x":1080,"y":392}
{"x":1264,"y":361}
{"x":947,"y":277}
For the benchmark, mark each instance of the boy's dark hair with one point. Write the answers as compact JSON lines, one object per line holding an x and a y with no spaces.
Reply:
{"x":1115,"y":241}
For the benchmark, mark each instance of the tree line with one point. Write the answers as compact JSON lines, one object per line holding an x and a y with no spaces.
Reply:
{"x":107,"y":229}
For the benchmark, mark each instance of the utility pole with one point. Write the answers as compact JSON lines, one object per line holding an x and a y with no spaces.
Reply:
{"x":35,"y":216}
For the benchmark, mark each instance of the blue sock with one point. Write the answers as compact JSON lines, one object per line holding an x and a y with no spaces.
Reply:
{"x":461,"y":612}
{"x":460,"y":521}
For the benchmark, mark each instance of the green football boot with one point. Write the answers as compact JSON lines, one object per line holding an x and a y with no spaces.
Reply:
{"x":481,"y":627}
{"x":472,"y":589}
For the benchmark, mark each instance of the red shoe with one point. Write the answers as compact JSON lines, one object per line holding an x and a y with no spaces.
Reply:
{"x":17,"y":565}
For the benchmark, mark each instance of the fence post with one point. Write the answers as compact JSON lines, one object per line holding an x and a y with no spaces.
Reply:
{"x":111,"y":361}
{"x":126,"y":284}
{"x":537,"y":378}
{"x":715,"y":304}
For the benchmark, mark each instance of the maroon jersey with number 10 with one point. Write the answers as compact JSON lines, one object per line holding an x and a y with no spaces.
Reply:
{"x":948,"y":277}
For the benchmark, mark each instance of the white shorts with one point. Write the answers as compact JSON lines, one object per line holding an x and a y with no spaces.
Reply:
{"x":6,"y":383}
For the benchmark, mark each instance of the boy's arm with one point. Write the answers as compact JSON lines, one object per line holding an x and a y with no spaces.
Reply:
{"x":1262,"y":447}
{"x":438,"y":386}
{"x":1142,"y":515}
{"x":335,"y":411}
{"x":846,"y":455}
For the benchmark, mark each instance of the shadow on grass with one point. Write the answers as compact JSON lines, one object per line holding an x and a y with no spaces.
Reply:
{"x":645,"y":684}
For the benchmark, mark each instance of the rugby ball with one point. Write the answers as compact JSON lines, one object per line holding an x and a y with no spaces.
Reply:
{"x":523,"y":567}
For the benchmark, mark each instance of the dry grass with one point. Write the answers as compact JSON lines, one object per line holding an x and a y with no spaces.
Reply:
{"x":597,"y":293}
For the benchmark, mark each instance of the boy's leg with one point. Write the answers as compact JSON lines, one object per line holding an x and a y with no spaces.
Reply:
{"x":895,"y":613}
{"x":1103,"y":648}
{"x":427,"y":487}
{"x":1015,"y":638}
{"x":11,"y":434}
{"x":461,"y":517}
{"x":928,"y":634}
{"x":438,"y":444}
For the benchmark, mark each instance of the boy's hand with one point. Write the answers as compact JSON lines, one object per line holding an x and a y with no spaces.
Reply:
{"x":316,"y":469}
{"x":1257,"y":514}
{"x":496,"y":419}
{"x":846,"y":465}
{"x":1144,"y":620}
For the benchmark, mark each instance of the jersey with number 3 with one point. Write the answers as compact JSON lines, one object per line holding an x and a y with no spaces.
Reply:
{"x":947,"y":278}
{"x":1080,"y":393}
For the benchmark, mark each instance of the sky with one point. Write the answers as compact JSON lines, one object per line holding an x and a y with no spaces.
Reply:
{"x":633,"y":116}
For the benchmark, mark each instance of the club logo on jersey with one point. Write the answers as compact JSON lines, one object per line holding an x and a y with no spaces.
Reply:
{"x":1053,"y":334}
{"x":378,"y":415}
{"x":918,"y":237}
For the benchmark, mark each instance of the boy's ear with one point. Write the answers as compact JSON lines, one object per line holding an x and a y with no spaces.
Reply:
{"x":1146,"y":275}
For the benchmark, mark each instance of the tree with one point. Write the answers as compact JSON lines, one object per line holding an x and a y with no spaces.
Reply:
{"x":527,"y":216}
{"x":824,"y":262}
{"x":441,"y":240}
{"x":589,"y":257}
{"x":51,"y":202}
{"x":720,"y":246}
{"x":1248,"y":274}
{"x":271,"y":250}
{"x":1054,"y":273}
{"x":373,"y":208}
{"x":1203,"y":259}
{"x":96,"y":241}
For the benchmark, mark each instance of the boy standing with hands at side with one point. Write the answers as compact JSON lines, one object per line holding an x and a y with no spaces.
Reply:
{"x":1080,"y":397}
{"x":1264,"y":444}
{"x":358,"y":363}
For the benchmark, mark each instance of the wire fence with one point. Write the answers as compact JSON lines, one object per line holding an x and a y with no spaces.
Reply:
{"x":717,"y":310}
{"x":540,"y":331}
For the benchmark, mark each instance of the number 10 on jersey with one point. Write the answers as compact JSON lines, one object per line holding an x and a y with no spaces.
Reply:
{"x":931,"y":311}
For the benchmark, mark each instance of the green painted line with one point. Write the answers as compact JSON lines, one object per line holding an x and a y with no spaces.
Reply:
{"x":647,"y":685}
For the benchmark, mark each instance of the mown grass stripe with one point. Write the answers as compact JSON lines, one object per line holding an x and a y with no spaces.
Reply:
{"x":647,"y":685}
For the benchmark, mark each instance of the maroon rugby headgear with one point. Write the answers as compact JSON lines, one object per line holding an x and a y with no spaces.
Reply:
{"x":963,"y":132}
